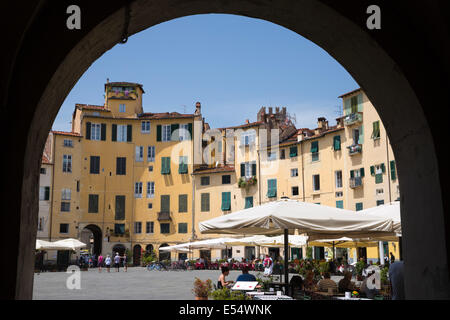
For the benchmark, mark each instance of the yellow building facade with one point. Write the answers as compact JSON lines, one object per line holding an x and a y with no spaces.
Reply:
{"x":126,"y":179}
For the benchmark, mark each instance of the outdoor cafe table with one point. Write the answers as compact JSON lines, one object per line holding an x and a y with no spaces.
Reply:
{"x":265,"y":296}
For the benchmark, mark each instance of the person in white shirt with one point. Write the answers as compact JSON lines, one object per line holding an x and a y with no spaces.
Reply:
{"x":268,"y":265}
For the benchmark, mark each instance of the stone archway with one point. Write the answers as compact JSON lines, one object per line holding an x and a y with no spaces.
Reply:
{"x":403,"y":90}
{"x":163,"y":255}
{"x":137,"y":252}
{"x":96,"y":234}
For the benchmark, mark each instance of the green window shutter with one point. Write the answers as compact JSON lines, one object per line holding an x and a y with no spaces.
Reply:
{"x":372,"y":170}
{"x":103,"y":132}
{"x":248,"y":202}
{"x":182,"y":203}
{"x":205,"y":202}
{"x":47,"y":193}
{"x":293,"y":151}
{"x":361,"y":135}
{"x":190,"y":130}
{"x":340,"y":204}
{"x":376,"y":130}
{"x":272,"y":188}
{"x":379,"y":178}
{"x":347,"y":107}
{"x":359,"y":206}
{"x":165,"y":165}
{"x":354,"y":104}
{"x":226,"y":201}
{"x":165,"y":203}
{"x":352,"y":175}
{"x":393,"y":173}
{"x":361,"y":172}
{"x":158,"y":132}
{"x":114,"y":132}
{"x":254,"y":169}
{"x":183,"y":167}
{"x":174,"y":135}
{"x":242,"y":169}
{"x":129,"y":132}
{"x":314,"y":146}
{"x":337,"y":143}
{"x":120,"y":208}
{"x":383,"y":168}
{"x":360,"y":102}
{"x":88,"y":131}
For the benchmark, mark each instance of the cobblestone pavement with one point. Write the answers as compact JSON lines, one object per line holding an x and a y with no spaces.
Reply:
{"x":136,"y":284}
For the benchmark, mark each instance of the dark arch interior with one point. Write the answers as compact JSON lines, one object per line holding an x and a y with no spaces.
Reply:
{"x":403,"y":69}
{"x":97,"y":234}
{"x":164,"y":255}
{"x":137,"y":249}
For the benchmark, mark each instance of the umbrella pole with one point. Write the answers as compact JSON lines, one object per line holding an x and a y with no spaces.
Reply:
{"x":286,"y":258}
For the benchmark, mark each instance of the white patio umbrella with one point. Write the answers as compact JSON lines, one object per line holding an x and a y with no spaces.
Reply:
{"x":69,"y":244}
{"x":389,"y":210}
{"x":283,"y":215}
{"x":43,"y":245}
{"x":294,"y":241}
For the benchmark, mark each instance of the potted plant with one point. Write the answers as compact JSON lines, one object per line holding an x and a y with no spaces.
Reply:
{"x":227,"y":294}
{"x":359,"y":267}
{"x":202,"y":289}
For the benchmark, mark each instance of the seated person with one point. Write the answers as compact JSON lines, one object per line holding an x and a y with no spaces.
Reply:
{"x":222,"y":283}
{"x":245,"y":276}
{"x":346,"y":283}
{"x":370,"y":293}
{"x":326,"y":283}
{"x":309,"y":284}
{"x":296,"y":283}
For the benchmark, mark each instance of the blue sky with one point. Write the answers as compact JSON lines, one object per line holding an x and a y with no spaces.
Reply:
{"x":233,"y":65}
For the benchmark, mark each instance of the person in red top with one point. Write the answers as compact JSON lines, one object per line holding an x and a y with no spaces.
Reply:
{"x":268,"y":265}
{"x":100,"y":263}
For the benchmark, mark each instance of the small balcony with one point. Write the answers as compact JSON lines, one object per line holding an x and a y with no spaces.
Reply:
{"x":353,"y":118}
{"x":164,"y":216}
{"x":354,"y":149}
{"x":355,"y":182}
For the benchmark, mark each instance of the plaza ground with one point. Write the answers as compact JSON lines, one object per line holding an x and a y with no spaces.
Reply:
{"x":136,"y":284}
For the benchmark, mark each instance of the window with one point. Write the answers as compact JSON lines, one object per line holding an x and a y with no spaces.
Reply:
{"x":67,"y":163}
{"x":204,"y":181}
{"x":205,"y":202}
{"x":120,"y":208}
{"x":122,"y":133}
{"x":339,"y":194}
{"x":66,"y":194}
{"x":248,"y":202}
{"x":338,"y":179}
{"x":379,"y":191}
{"x":182,"y":203}
{"x":78,"y":185}
{"x":336,"y":143}
{"x":354,"y":104}
{"x":165,"y":165}
{"x":145,"y":126}
{"x":380,"y":202}
{"x":226,"y":179}
{"x":165,"y":203}
{"x":294,"y":172}
{"x":183,"y":132}
{"x":150,"y":168}
{"x":93,"y":203}
{"x":315,"y":151}
{"x":282,"y":154}
{"x":358,"y":136}
{"x":119,"y":228}
{"x":248,"y":138}
{"x":95,"y":131}
{"x":182,"y":228}
{"x":294,"y":191}
{"x":65,"y":206}
{"x":121,"y":166}
{"x":43,"y":171}
{"x":41,"y":224}
{"x":166,"y":132}
{"x":151,"y":154}
{"x":248,"y":169}
{"x":122,"y":107}
{"x":316,"y":182}
{"x":376,"y":130}
{"x":359,"y":206}
{"x":44,"y":193}
{"x":271,"y":188}
{"x":293,"y":151}
{"x":95,"y":165}
{"x":165,"y":227}
{"x":226,"y":201}
{"x":139,"y":153}
{"x":138,"y":189}
{"x":271,"y":155}
{"x":150,"y":189}
{"x":64,"y":228}
{"x":68,"y":143}
{"x":183,"y":165}
{"x":393,"y":172}
{"x":137,"y":227}
{"x":340,"y":204}
{"x":150,"y":205}
{"x":149,"y":227}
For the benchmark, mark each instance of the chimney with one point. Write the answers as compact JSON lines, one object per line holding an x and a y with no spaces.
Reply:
{"x":247,"y":121}
{"x":198,"y":108}
{"x":322,"y":123}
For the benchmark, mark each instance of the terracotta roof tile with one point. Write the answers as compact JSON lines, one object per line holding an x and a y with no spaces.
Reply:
{"x":349,"y":93}
{"x":221,"y":169}
{"x":165,"y":115}
{"x":91,"y":107}
{"x":73,"y":134}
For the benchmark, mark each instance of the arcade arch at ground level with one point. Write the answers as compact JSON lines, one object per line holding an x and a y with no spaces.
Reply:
{"x":402,"y":89}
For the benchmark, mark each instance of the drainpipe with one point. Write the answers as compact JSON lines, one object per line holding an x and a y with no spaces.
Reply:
{"x":53,"y":189}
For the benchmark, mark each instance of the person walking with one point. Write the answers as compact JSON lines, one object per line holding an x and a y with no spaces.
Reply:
{"x":268,"y":265}
{"x":108,"y":262}
{"x":100,"y":263}
{"x":117,"y":261}
{"x":125,"y":262}
{"x":392,"y":258}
